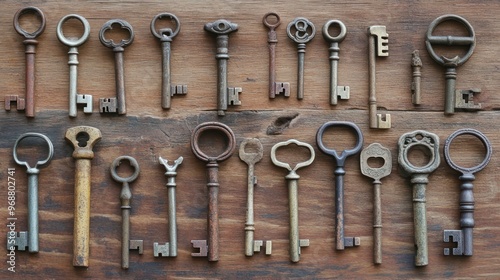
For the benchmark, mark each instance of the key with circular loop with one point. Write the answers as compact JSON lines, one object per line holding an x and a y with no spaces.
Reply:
{"x":336,"y":91}
{"x":275,"y":88}
{"x":29,"y":10}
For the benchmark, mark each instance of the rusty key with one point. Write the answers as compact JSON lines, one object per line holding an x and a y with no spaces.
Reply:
{"x":83,"y":139}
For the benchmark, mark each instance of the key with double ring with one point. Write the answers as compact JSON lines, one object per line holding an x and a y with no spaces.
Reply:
{"x":336,"y":91}
{"x":116,"y":104}
{"x":419,"y":177}
{"x":30,"y":238}
{"x":341,"y":240}
{"x":75,"y":98}
{"x":464,"y":236}
{"x":212,"y":248}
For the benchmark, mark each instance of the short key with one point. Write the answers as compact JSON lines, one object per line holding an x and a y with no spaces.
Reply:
{"x":336,"y":91}
{"x":416,"y":65}
{"x":419,"y":179}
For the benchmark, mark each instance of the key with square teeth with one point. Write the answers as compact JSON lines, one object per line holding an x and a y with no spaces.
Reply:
{"x":336,"y":91}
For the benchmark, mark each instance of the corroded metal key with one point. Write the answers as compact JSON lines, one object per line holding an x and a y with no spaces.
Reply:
{"x":116,"y":104}
{"x":336,"y":91}
{"x":429,"y":142}
{"x":83,"y":139}
{"x":28,"y":102}
{"x":169,"y":249}
{"x":73,"y":43}
{"x":212,"y":248}
{"x":464,"y":236}
{"x":225,"y":96}
{"x":166,"y":36}
{"x":293,"y":184}
{"x":416,"y":65}
{"x":375,"y":150}
{"x":30,"y":238}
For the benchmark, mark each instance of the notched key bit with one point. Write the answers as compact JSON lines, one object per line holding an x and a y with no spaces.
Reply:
{"x":464,"y":99}
{"x":17,"y":239}
{"x":19,"y":101}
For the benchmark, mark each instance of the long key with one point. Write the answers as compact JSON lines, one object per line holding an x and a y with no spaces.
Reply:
{"x":73,"y":43}
{"x":464,"y":236}
{"x":419,"y":179}
{"x":116,"y":104}
{"x":375,"y":150}
{"x":293,"y":184}
{"x":166,"y":36}
{"x":83,"y":139}
{"x":169,"y":249}
{"x":336,"y":91}
{"x":341,"y":240}
{"x":212,"y":248}
{"x":416,"y":65}
{"x":275,"y":88}
{"x":378,"y":45}
{"x":30,"y":238}
{"x":225,"y":96}
{"x":27,"y":103}
{"x":125,"y":198}
{"x":304,"y":32}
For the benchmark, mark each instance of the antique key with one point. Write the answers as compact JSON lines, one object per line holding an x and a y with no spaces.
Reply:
{"x":275,"y":88}
{"x":73,"y":44}
{"x":212,"y":248}
{"x":463,"y":237}
{"x":169,"y":249}
{"x":378,"y":45}
{"x":30,"y":238}
{"x":375,"y":150}
{"x":293,"y":185}
{"x":83,"y":139}
{"x":341,"y":240}
{"x":27,"y":103}
{"x":304,"y":32}
{"x":336,"y":91}
{"x":225,"y":96}
{"x":419,"y":179}
{"x":166,"y":36}
{"x":251,"y":158}
{"x":454,"y":99}
{"x":416,"y":65}
{"x":116,"y":104}
{"x":125,"y":197}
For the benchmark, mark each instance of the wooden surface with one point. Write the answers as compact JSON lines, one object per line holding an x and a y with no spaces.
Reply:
{"x":148,"y":131}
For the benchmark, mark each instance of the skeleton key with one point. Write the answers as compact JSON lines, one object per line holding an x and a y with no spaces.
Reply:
{"x":341,"y":240}
{"x":116,"y":104}
{"x":375,"y":150}
{"x":212,"y":249}
{"x":454,"y":99}
{"x":301,"y":36}
{"x":275,"y":88}
{"x":416,"y":65}
{"x":419,"y":179}
{"x":225,"y":96}
{"x":336,"y":91}
{"x":73,"y":44}
{"x":27,"y":103}
{"x":30,"y":238}
{"x":378,"y":45}
{"x":83,"y":139}
{"x":251,"y":158}
{"x":166,"y":36}
{"x":463,"y":237}
{"x":169,"y":249}
{"x":293,"y":185}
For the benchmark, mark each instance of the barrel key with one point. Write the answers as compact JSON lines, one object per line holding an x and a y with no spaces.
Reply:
{"x":336,"y":91}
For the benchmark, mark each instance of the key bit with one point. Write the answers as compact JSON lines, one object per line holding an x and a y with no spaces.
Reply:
{"x":416,"y":65}
{"x":19,"y":101}
{"x":336,"y":91}
{"x":464,"y":99}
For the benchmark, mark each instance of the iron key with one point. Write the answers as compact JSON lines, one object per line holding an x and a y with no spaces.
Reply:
{"x":336,"y":91}
{"x":416,"y":65}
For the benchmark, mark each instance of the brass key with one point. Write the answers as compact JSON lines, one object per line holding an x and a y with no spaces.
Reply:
{"x":416,"y":65}
{"x":336,"y":91}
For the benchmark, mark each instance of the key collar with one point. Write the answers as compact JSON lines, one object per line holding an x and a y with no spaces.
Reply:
{"x":73,"y":42}
{"x":165,"y":34}
{"x":332,"y":152}
{"x":206,"y":126}
{"x":473,"y":132}
{"x":418,"y":138}
{"x":21,"y":31}
{"x":40,"y":163}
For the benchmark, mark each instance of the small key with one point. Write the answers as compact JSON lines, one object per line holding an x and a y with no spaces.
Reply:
{"x":304,"y":32}
{"x":416,"y":65}
{"x":378,"y":45}
{"x":83,"y":139}
{"x":419,"y":179}
{"x":375,"y":150}
{"x":210,"y":247}
{"x":116,"y":104}
{"x":166,"y":36}
{"x":336,"y":91}
{"x":73,"y":43}
{"x":293,"y":184}
{"x":454,"y":99}
{"x":464,"y":236}
{"x":225,"y":96}
{"x":341,"y":240}
{"x":169,"y":249}
{"x":30,"y":238}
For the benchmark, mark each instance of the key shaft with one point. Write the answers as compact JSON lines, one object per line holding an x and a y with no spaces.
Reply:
{"x":377,"y":46}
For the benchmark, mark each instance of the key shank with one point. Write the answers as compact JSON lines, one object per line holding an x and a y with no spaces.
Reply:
{"x":33,"y":210}
{"x":250,"y":224}
{"x":419,"y":183}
